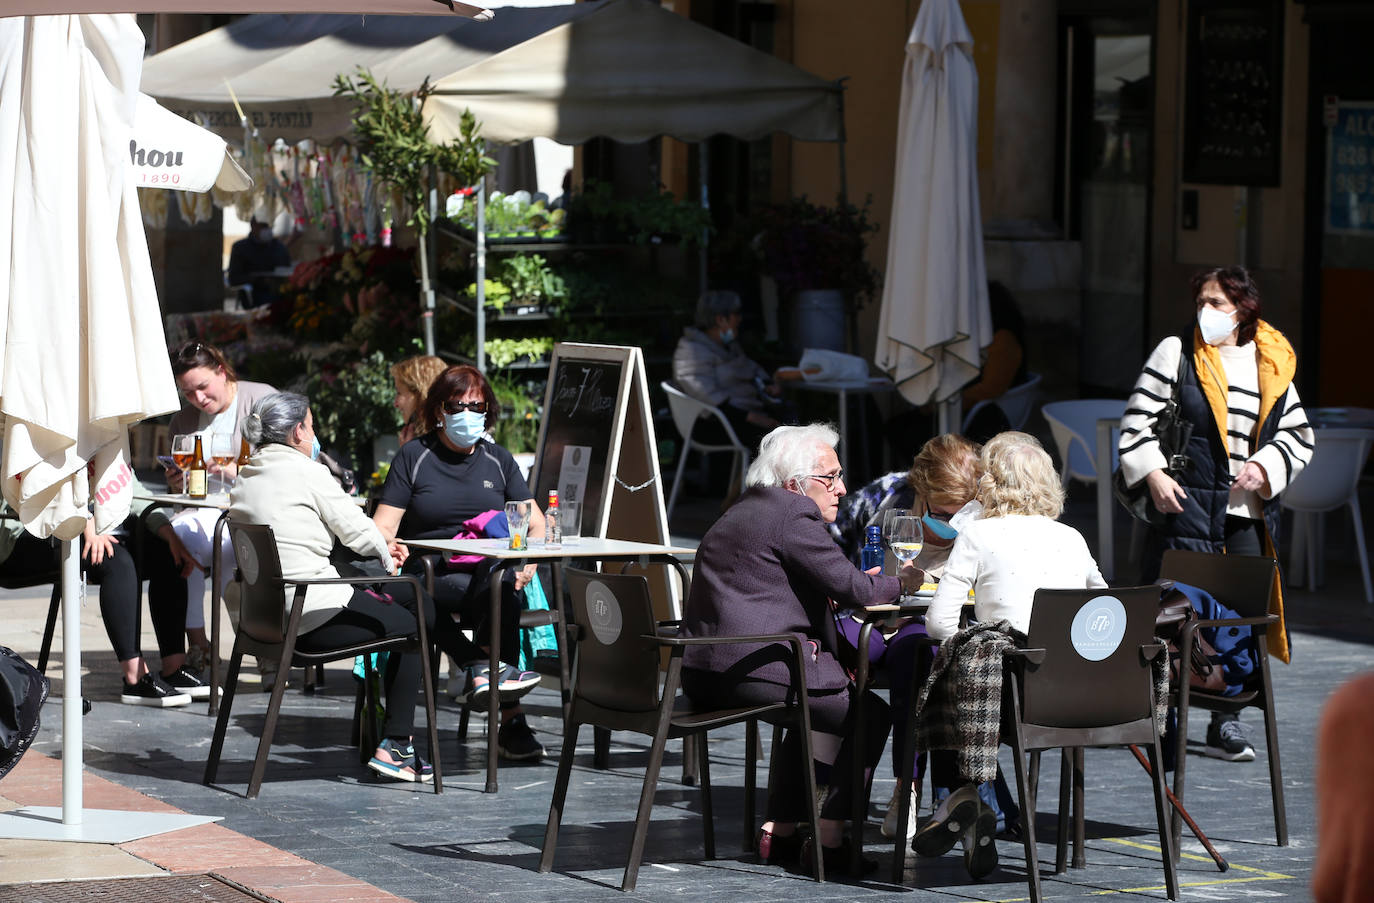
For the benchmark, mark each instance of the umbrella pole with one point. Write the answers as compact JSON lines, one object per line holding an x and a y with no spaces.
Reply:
{"x":71,"y":685}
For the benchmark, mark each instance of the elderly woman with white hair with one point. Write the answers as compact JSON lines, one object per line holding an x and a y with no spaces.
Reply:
{"x":769,"y":566}
{"x":1015,"y":548}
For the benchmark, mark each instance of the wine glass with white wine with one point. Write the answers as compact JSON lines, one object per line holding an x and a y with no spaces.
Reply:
{"x":907,"y":538}
{"x":224,"y":453}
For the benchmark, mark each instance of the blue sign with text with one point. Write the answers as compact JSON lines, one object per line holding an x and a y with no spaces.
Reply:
{"x":1350,"y":169}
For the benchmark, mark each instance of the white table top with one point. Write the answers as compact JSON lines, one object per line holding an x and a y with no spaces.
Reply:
{"x":587,"y":547}
{"x":871,"y":384}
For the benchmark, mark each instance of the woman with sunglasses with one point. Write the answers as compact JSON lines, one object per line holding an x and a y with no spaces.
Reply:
{"x":438,"y":482}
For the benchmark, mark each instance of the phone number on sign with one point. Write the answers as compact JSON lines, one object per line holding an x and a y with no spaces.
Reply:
{"x":159,"y":178}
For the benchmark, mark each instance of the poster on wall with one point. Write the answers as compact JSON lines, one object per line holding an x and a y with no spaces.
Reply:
{"x":1350,"y":169}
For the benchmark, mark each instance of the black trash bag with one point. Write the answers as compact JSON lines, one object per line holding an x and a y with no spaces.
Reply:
{"x":22,"y":693}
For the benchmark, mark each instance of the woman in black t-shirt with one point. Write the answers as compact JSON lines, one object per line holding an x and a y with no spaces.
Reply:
{"x":436,"y":483}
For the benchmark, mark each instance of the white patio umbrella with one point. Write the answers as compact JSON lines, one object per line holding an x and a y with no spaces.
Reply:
{"x":934,"y":317}
{"x":82,"y":349}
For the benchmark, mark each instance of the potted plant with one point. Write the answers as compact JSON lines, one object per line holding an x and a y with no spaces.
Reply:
{"x":816,"y":255}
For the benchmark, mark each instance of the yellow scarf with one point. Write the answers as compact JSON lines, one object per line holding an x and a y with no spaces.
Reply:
{"x":1276,"y":364}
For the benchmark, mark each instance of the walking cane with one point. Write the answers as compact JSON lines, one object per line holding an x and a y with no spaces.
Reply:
{"x":1222,"y":864}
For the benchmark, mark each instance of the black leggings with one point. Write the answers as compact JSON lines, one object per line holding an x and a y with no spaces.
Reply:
{"x":369,"y":616}
{"x":120,"y":589}
{"x":467,"y":594}
{"x":831,"y":713}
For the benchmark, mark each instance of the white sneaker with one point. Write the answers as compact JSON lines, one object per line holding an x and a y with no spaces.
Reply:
{"x":894,"y":809}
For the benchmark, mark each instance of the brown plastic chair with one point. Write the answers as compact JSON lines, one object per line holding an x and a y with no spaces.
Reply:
{"x":268,"y":629}
{"x":1057,"y":698}
{"x":1245,"y":584}
{"x":616,"y":685}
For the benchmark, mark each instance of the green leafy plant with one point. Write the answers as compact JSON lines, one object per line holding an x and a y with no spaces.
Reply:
{"x":352,"y":403}
{"x":599,"y":215}
{"x":394,"y":141}
{"x":531,"y":281}
{"x":517,"y":430}
{"x":495,"y":294}
{"x":504,"y":352}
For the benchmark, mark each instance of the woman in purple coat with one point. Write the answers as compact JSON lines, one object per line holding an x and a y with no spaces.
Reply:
{"x":769,"y":565}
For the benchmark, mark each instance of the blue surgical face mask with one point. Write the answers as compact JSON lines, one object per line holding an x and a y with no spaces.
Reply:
{"x":937,"y":527}
{"x":314,"y":448}
{"x":727,"y":336}
{"x":465,"y":427}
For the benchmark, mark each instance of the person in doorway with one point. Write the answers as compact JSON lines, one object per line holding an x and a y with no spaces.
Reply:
{"x":1250,"y":440}
{"x":254,"y":260}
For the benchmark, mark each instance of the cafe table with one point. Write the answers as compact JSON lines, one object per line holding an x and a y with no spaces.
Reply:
{"x":908,"y":606}
{"x":592,"y":548}
{"x":873,"y":385}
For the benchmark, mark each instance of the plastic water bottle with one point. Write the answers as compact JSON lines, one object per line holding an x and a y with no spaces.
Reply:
{"x":553,"y":530}
{"x":872,"y":554}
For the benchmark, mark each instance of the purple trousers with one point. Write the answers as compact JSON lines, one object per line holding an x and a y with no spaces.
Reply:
{"x":901,"y":654}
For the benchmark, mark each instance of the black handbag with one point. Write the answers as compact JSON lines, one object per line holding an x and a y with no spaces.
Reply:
{"x":1173,"y":431}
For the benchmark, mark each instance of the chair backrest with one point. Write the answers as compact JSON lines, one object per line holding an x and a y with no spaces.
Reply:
{"x":1091,"y":673}
{"x":1243,"y":583}
{"x":1333,"y":474}
{"x":617,"y":655}
{"x":262,"y":594}
{"x":1016,"y":403}
{"x":684,"y":408}
{"x":1074,"y":426}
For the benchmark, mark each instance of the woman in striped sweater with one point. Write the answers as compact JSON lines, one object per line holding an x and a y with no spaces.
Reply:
{"x":1250,"y":440}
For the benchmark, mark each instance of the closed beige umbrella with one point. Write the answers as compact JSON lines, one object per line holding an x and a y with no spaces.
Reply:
{"x":934,"y":318}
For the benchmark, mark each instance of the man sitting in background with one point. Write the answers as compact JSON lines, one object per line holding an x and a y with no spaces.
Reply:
{"x":252,"y":261}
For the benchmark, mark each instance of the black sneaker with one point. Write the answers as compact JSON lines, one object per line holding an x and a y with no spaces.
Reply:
{"x":152,"y":690}
{"x":184,"y":680}
{"x":1226,"y":740}
{"x":515,"y":741}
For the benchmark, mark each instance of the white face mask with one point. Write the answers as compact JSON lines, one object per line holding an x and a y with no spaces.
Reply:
{"x":1215,"y":325}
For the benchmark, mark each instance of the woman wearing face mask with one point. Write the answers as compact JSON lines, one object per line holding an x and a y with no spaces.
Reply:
{"x":284,"y":486}
{"x":436,"y":483}
{"x":940,"y":488}
{"x":1250,"y":440}
{"x":412,"y":378}
{"x":709,"y":364}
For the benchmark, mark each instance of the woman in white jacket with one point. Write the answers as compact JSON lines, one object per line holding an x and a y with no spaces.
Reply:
{"x":285,"y":487}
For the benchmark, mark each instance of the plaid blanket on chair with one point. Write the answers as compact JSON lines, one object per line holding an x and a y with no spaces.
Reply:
{"x":960,"y":706}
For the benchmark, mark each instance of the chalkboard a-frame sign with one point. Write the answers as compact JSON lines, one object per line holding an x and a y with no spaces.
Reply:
{"x":597,"y":444}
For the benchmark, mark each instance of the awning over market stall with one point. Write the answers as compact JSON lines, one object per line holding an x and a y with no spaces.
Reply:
{"x":622,"y":69}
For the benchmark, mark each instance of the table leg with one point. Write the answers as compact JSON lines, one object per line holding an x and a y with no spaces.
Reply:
{"x":215,"y":600}
{"x":498,"y":574}
{"x":1105,"y":548}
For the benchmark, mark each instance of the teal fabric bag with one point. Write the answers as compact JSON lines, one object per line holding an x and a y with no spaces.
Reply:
{"x":534,"y":640}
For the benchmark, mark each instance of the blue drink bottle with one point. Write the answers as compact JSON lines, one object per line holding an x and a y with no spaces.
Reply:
{"x":872,"y":554}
